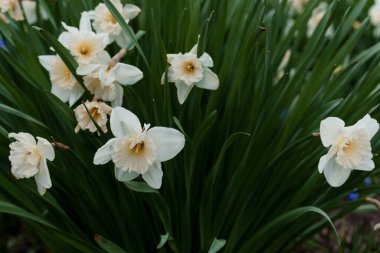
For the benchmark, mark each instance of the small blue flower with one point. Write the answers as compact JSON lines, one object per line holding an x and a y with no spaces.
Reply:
{"x":367,"y":181}
{"x":2,"y":44}
{"x":353,"y":196}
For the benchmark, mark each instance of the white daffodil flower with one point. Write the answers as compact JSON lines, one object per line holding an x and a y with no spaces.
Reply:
{"x":13,"y":8}
{"x":298,"y":5}
{"x":137,"y":150}
{"x":64,"y":84}
{"x":374,"y":15}
{"x":28,"y":159}
{"x":315,"y":19}
{"x":83,"y":43}
{"x":104,"y":21}
{"x":104,"y":79}
{"x":99,"y":112}
{"x":187,"y":70}
{"x":350,"y":148}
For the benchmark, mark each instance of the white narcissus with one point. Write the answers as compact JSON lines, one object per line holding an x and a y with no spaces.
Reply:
{"x":298,"y":5}
{"x":374,"y":15}
{"x":349,"y":148}
{"x":28,"y":159}
{"x":83,"y":43}
{"x":105,"y":77}
{"x":99,"y":112}
{"x":64,"y":84}
{"x":13,"y":8}
{"x":187,"y":70}
{"x":137,"y":150}
{"x":104,"y":21}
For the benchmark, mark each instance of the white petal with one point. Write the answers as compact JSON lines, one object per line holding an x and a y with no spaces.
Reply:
{"x":326,"y":158}
{"x":124,"y":41}
{"x":127,"y":74}
{"x":206,"y":60}
{"x":47,"y":61}
{"x":107,"y":77}
{"x":75,"y":94}
{"x":172,"y":57}
{"x":43,"y":178}
{"x":169,"y":142}
{"x":183,"y":91}
{"x":124,"y":176}
{"x":124,"y":122}
{"x":369,"y":124}
{"x":64,"y":39}
{"x":85,"y":22}
{"x":153,"y":177}
{"x":86,"y":69}
{"x":366,"y":165}
{"x":23,"y":138}
{"x":335,"y":174}
{"x":131,"y":11}
{"x":104,"y":154}
{"x":70,"y":29}
{"x":330,"y":129}
{"x":30,"y":11}
{"x":62,"y":94}
{"x":194,"y":50}
{"x":46,"y":148}
{"x":210,"y":80}
{"x":119,"y":92}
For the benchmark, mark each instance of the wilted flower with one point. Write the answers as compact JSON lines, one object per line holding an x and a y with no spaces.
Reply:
{"x":83,"y":43}
{"x":64,"y":84}
{"x":104,"y":21}
{"x":137,"y":150}
{"x":187,"y":70}
{"x":350,"y":148}
{"x":99,"y":112}
{"x":105,"y":77}
{"x":28,"y":159}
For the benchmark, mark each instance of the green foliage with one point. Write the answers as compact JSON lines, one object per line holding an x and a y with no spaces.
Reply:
{"x":248,"y":172}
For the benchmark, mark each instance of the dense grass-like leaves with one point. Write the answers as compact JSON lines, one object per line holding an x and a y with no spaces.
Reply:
{"x":248,"y":172}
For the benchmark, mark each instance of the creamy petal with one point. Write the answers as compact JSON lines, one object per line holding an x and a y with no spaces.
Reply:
{"x":369,"y":124}
{"x":127,"y":74}
{"x":210,"y":80}
{"x":85,"y":22}
{"x":124,"y":122}
{"x":23,"y":138}
{"x":119,"y":92}
{"x":46,"y":148}
{"x":206,"y":60}
{"x":326,"y":158}
{"x":30,"y":11}
{"x":104,"y":154}
{"x":169,"y":142}
{"x":131,"y":11}
{"x":183,"y":91}
{"x":335,"y":174}
{"x":47,"y":61}
{"x":153,"y":177}
{"x":75,"y":94}
{"x":124,"y":176}
{"x":366,"y":165}
{"x":330,"y":129}
{"x":43,"y":177}
{"x":86,"y":69}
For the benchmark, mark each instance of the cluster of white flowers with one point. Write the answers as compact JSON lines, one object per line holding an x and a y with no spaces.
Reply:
{"x":15,"y":10}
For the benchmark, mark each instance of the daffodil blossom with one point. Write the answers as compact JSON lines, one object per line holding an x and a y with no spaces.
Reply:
{"x":104,"y":79}
{"x":187,"y":70}
{"x":83,"y":43}
{"x":137,"y":150}
{"x":350,"y":148}
{"x":104,"y":21}
{"x":298,"y":5}
{"x":64,"y":84}
{"x":99,"y":112}
{"x":315,"y":19}
{"x":374,"y":15}
{"x":13,"y":8}
{"x":28,"y":159}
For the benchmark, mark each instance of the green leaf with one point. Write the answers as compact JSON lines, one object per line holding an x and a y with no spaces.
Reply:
{"x":10,"y":110}
{"x":107,"y":245}
{"x":217,"y":245}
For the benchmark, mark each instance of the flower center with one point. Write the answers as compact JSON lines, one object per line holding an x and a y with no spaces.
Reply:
{"x":94,"y":113}
{"x":138,"y":148}
{"x":348,"y":147}
{"x":189,"y":67}
{"x":84,"y":50}
{"x":111,"y":18}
